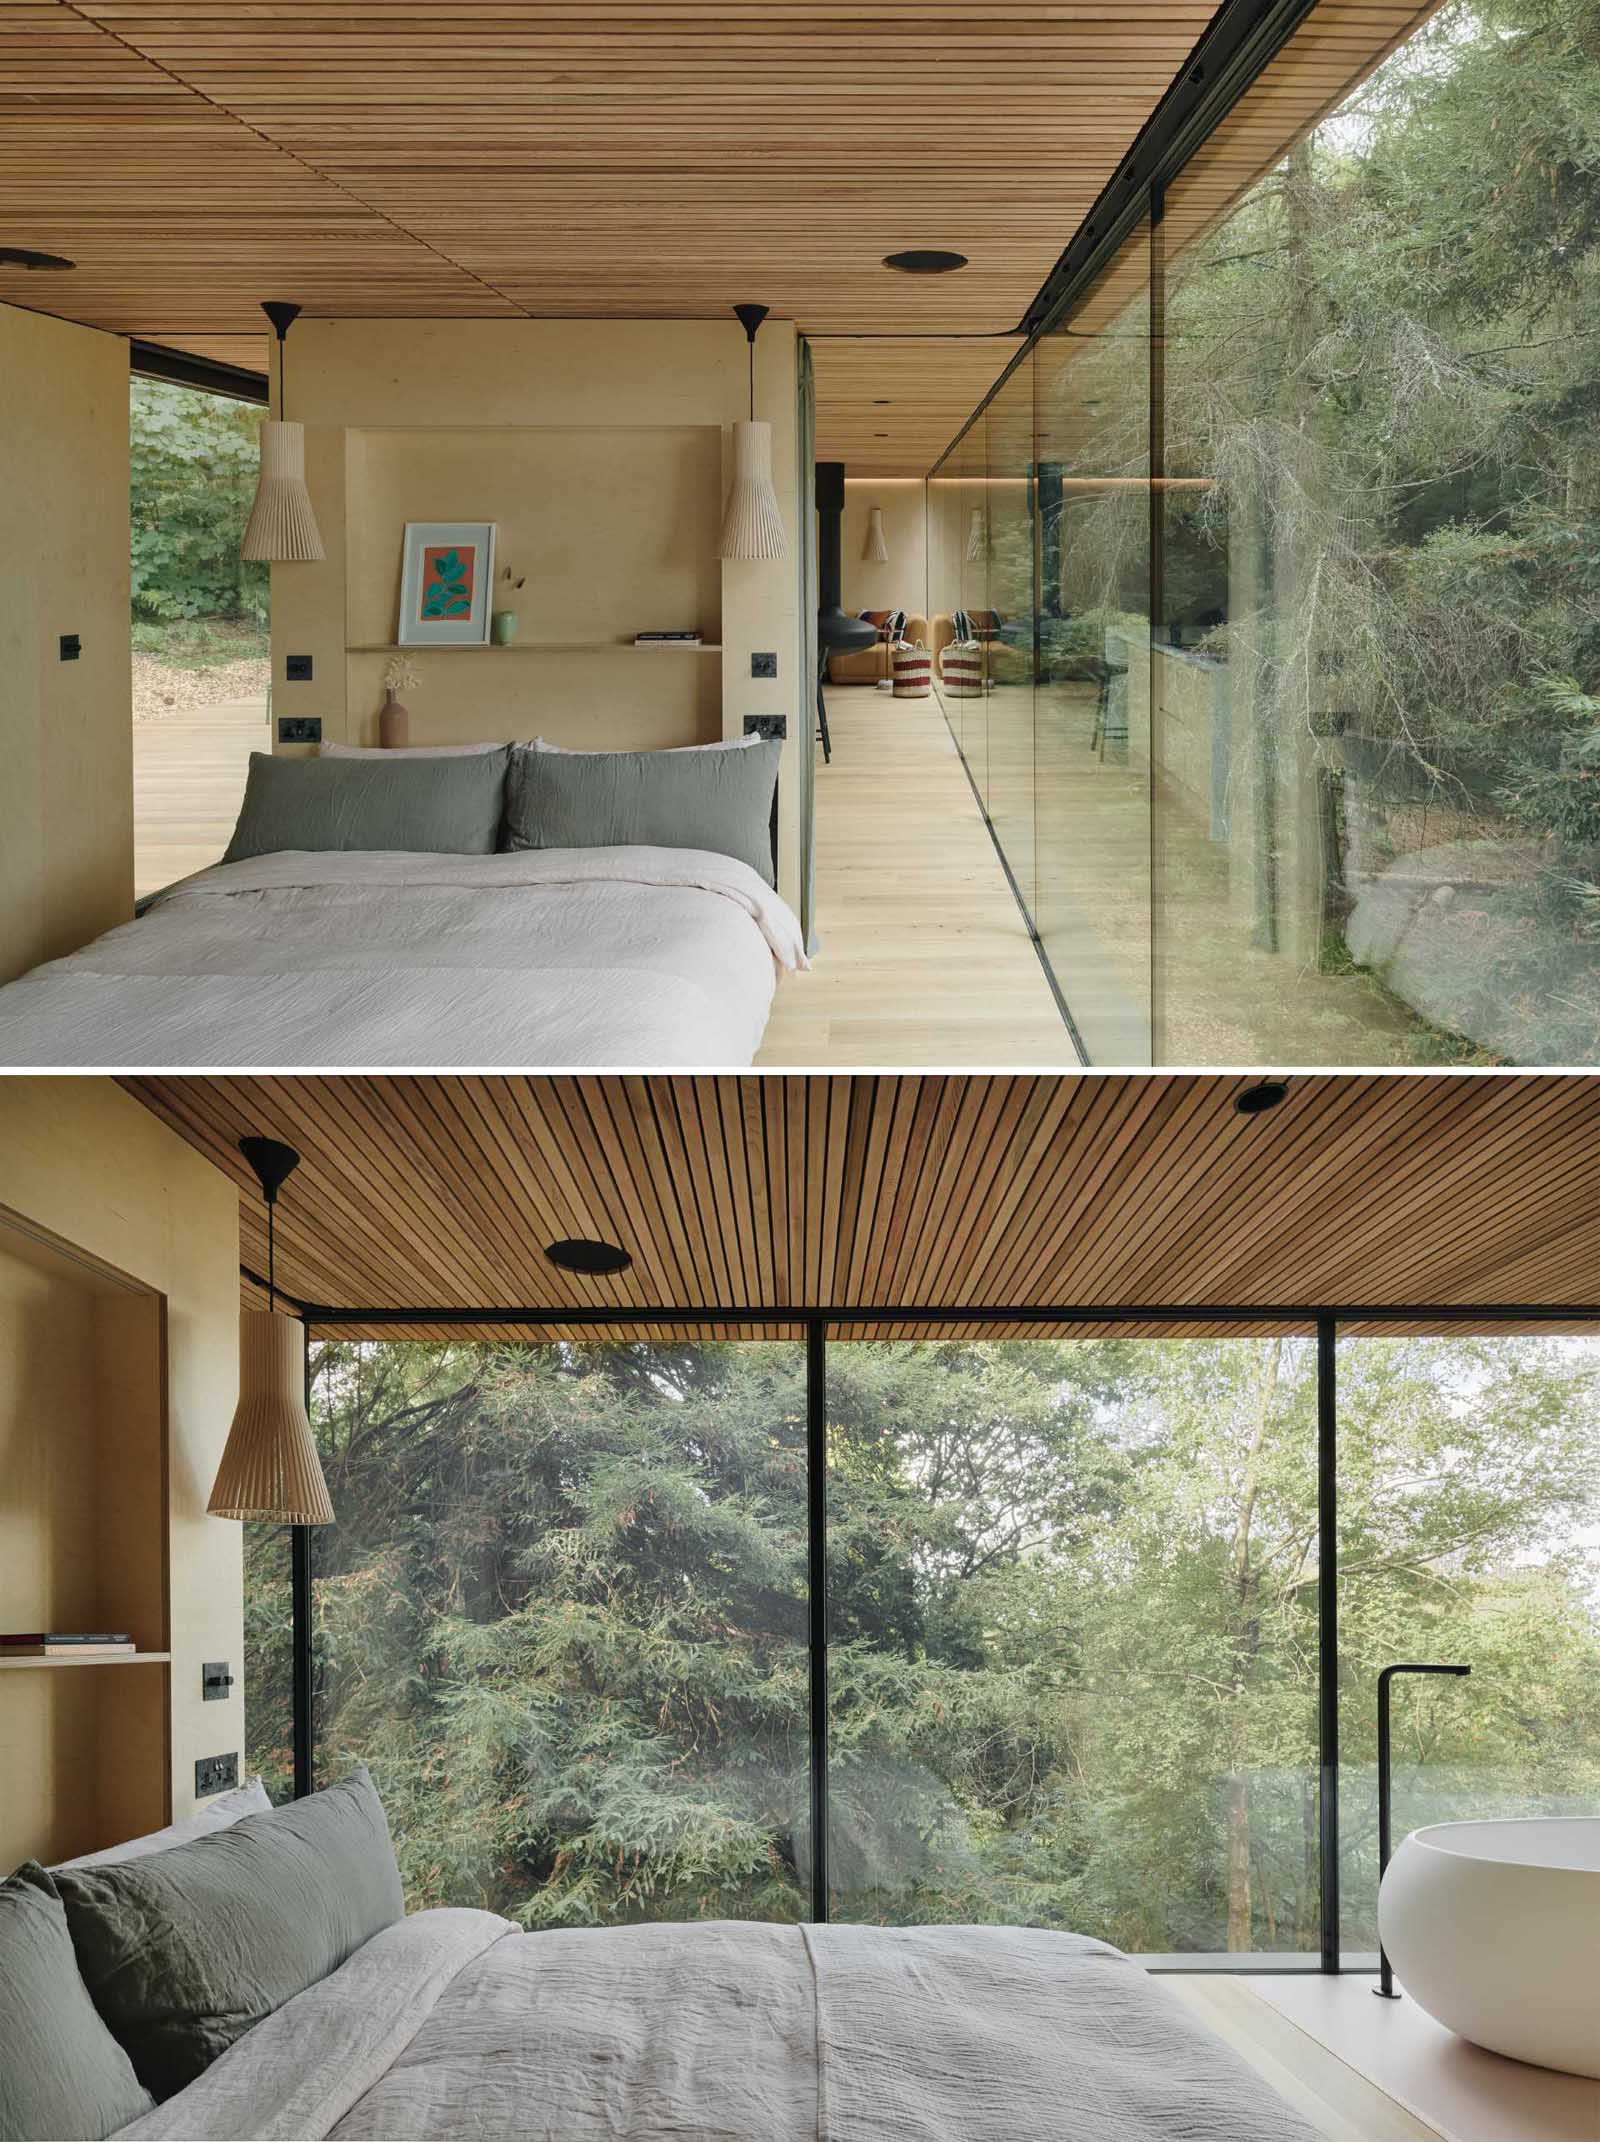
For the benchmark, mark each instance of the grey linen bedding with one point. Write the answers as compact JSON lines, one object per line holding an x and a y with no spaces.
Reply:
{"x":457,"y":2027}
{"x":591,"y":957}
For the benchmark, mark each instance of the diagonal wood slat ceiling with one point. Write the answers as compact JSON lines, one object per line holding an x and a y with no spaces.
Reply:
{"x":605,"y":159}
{"x":987,"y":1192}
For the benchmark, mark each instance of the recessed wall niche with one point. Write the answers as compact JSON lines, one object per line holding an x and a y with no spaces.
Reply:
{"x":83,"y":1746}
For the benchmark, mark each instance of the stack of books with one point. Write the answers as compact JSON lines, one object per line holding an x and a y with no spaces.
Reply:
{"x":668,"y":639}
{"x":66,"y":1644}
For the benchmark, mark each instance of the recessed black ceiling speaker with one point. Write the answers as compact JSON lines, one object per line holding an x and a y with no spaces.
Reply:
{"x":579,"y":1254}
{"x":925,"y":260}
{"x":21,"y":256}
{"x":1256,"y":1100}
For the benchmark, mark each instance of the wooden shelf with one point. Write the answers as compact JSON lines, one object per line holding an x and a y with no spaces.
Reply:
{"x":544,"y":647}
{"x":122,"y":1658}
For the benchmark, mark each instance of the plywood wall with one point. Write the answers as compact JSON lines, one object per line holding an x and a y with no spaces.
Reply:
{"x":601,"y":450}
{"x":901,"y":584}
{"x":66,"y":728}
{"x":87,"y":1165}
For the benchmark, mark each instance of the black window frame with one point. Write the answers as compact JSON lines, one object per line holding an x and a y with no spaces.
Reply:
{"x":1321,"y":1321}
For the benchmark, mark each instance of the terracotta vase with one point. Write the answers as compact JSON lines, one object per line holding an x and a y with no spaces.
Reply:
{"x":394,"y":723}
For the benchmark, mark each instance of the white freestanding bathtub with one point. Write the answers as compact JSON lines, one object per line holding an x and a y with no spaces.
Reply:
{"x":1494,"y":1929}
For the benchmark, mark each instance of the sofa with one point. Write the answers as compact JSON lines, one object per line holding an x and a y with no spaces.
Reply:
{"x":871,"y":665}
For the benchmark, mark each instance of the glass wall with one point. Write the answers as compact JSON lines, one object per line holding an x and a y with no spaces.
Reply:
{"x":1073,"y":1622}
{"x":1315,"y":744}
{"x":1469,"y":1498}
{"x":1072,"y":1616}
{"x":563,"y":1619}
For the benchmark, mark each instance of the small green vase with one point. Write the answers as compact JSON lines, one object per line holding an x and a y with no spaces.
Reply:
{"x":503,"y":627}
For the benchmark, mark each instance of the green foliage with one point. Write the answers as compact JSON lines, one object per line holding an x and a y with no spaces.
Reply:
{"x":1073,"y":1606}
{"x":194,"y":464}
{"x":1385,"y":360}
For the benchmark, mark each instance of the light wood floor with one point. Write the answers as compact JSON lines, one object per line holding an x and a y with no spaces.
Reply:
{"x":924,"y":960}
{"x":188,"y":779}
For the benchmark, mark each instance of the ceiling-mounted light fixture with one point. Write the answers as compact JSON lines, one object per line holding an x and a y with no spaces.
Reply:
{"x":752,"y":525}
{"x":925,"y":260}
{"x":282,"y":527}
{"x":270,"y":1468}
{"x":23,"y":256}
{"x":875,"y":550}
{"x":1256,"y":1100}
{"x":578,"y":1253}
{"x":977,"y":537}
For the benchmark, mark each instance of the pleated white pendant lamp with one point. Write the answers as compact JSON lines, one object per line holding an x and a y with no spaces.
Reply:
{"x":752,"y":525}
{"x":282,"y":527}
{"x":270,"y":1469}
{"x":875,"y":550}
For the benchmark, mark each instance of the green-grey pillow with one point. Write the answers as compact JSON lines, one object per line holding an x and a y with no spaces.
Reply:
{"x":61,"y":2071}
{"x":721,"y":800}
{"x":185,"y":1950}
{"x":421,"y":806}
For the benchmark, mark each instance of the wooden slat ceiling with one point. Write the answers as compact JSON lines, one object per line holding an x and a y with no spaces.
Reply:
{"x":1082,"y":1192}
{"x":605,"y":159}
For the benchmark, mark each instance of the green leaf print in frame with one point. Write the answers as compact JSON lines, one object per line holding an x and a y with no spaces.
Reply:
{"x":447,"y":578}
{"x":447,"y":572}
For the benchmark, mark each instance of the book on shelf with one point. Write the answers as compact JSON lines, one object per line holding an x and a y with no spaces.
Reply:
{"x":65,"y":1644}
{"x":668,"y":639}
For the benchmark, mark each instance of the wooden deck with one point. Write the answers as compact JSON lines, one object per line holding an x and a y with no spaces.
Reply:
{"x":188,"y":778}
{"x":925,"y":961}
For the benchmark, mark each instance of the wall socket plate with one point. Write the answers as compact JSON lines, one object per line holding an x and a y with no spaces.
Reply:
{"x":772,"y":728}
{"x":215,"y":1773}
{"x":299,"y":728}
{"x":763,"y":665}
{"x":297,"y":668}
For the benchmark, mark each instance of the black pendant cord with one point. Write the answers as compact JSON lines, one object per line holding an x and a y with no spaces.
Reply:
{"x":272,"y":1255}
{"x":750,"y":318}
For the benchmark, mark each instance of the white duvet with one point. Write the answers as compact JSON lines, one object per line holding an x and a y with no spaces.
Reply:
{"x":652,"y":958}
{"x":454,"y":2026}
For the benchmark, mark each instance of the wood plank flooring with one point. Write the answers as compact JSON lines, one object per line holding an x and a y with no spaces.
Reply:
{"x":924,"y":960}
{"x":188,"y":778}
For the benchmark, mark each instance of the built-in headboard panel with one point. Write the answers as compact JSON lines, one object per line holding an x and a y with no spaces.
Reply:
{"x":611,"y":532}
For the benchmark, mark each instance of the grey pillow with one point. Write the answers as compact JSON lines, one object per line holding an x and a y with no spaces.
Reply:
{"x":184,"y":1950}
{"x":61,"y":2071}
{"x":721,"y":800}
{"x":423,"y":806}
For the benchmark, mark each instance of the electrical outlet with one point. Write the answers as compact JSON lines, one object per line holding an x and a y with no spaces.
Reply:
{"x":300,"y":729}
{"x":216,"y":1679}
{"x":772,"y":728}
{"x":763,"y":665}
{"x":297,"y":668}
{"x":71,"y":647}
{"x":215,"y":1773}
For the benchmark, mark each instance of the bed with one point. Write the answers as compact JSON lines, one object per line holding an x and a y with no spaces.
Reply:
{"x":590,"y":957}
{"x":454,"y":2025}
{"x":252,"y":1972}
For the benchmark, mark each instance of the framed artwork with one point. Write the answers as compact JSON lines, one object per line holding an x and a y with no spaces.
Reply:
{"x":446,"y":584}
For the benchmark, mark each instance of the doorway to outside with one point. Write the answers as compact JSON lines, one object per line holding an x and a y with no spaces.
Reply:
{"x":201,"y":662}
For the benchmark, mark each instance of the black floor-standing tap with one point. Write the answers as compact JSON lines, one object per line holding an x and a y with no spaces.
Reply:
{"x":1384,"y":1989}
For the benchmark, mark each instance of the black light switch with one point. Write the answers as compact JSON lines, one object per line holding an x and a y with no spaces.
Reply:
{"x":71,"y":647}
{"x":763,"y":665}
{"x":215,"y":1681}
{"x":297,"y":668}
